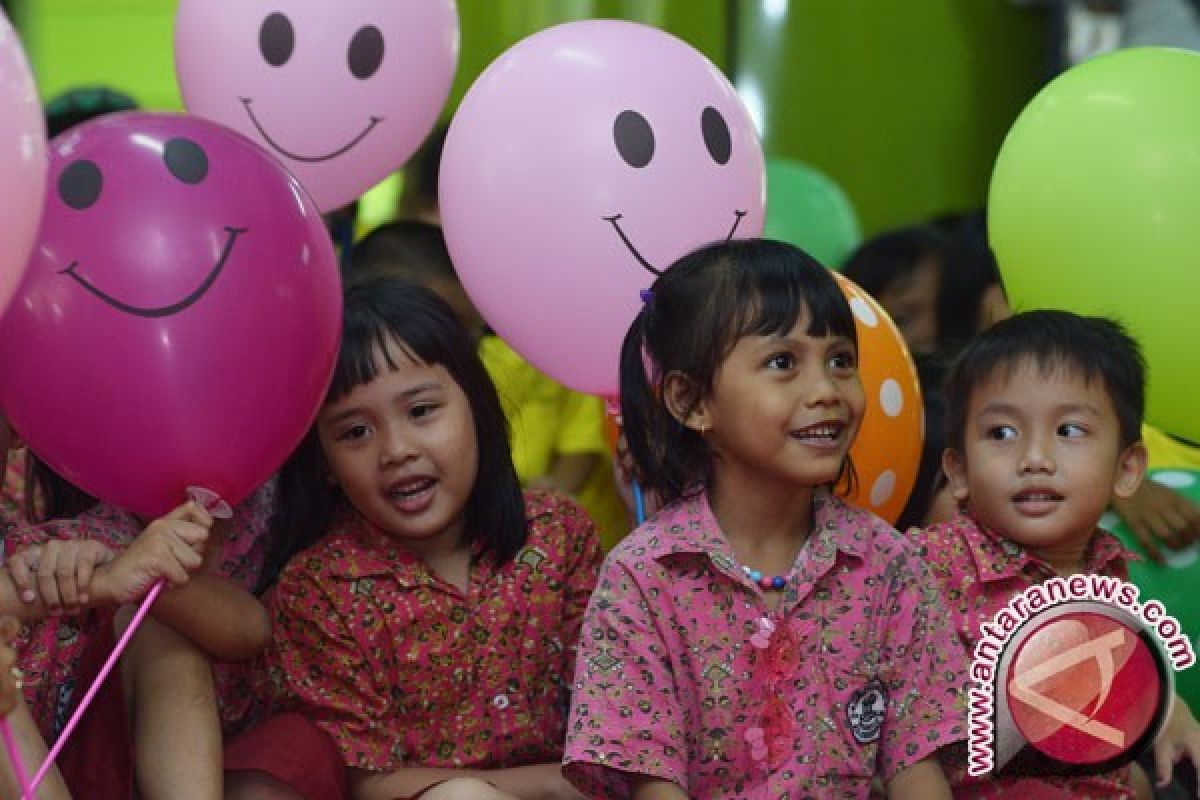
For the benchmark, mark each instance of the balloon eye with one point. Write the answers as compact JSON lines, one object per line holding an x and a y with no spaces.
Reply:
{"x":634,"y":138}
{"x":276,"y":39}
{"x":186,"y":160}
{"x":79,"y":184}
{"x":366,"y":52}
{"x":716,"y":135}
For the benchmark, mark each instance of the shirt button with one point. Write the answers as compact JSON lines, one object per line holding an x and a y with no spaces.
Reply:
{"x":500,"y":701}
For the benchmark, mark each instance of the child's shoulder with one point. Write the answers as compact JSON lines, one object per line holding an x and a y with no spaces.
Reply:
{"x":557,"y":519}
{"x":860,"y":530}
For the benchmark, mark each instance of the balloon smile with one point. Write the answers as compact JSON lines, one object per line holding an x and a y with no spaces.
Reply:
{"x":246,"y":101}
{"x":615,"y":219}
{"x":161,"y":311}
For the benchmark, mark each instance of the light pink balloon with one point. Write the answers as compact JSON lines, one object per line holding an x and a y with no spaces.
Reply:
{"x":22,"y":161}
{"x":342,"y":93}
{"x":558,"y":207}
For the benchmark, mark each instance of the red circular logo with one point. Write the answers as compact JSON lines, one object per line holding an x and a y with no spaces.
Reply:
{"x":1084,"y":688}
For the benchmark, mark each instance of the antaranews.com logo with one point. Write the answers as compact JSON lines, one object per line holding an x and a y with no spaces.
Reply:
{"x":1072,"y":677}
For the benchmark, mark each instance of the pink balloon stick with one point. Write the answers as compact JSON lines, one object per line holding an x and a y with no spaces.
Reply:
{"x":96,"y":684}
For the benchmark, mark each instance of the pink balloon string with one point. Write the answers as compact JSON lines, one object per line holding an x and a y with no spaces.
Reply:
{"x":14,"y":757}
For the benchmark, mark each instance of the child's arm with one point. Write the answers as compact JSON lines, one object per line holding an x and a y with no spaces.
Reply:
{"x":1179,"y":737}
{"x":222,"y":618}
{"x":924,"y":780}
{"x":655,"y":789}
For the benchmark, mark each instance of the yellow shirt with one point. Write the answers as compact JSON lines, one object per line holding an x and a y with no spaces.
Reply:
{"x":1165,"y":451}
{"x":547,"y":419}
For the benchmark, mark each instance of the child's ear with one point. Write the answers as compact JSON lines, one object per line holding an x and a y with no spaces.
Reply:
{"x":681,"y":396}
{"x":1131,"y":468}
{"x":955,"y":467}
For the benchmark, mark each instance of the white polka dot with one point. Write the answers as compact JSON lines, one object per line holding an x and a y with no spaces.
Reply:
{"x":883,"y":487}
{"x":862,"y":309}
{"x":891,"y":397}
{"x":1178,"y":559}
{"x":1174,"y":478}
{"x":1109,"y":520}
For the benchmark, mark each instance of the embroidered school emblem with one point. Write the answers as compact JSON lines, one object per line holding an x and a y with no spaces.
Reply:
{"x":866,"y":710}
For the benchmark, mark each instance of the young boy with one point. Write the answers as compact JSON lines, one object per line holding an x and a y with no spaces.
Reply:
{"x":1043,"y":415}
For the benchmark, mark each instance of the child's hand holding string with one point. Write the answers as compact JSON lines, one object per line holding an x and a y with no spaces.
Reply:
{"x":171,"y":548}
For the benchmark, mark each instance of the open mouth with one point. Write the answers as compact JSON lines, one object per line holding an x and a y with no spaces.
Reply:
{"x":1037,"y":496}
{"x":246,"y":101}
{"x":822,"y":434}
{"x":160,"y":311}
{"x":615,"y":220}
{"x":411,"y":494}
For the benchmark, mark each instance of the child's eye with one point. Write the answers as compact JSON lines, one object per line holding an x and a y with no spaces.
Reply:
{"x":781,"y":361}
{"x":844,"y":360}
{"x":1070,"y":430}
{"x":422,"y":410}
{"x":353,"y":433}
{"x":1001,"y":432}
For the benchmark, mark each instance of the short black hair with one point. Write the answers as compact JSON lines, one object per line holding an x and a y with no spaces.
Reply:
{"x":969,"y":270}
{"x":409,"y":249}
{"x":883,"y":259}
{"x":1096,"y":348}
{"x":695,"y":313}
{"x":383,"y":311}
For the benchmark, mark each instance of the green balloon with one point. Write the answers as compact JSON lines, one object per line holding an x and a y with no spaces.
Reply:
{"x":1174,"y":582}
{"x":1094,"y":207}
{"x":807,"y":209}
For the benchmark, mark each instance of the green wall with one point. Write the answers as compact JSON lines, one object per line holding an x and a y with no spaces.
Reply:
{"x":903,"y":102}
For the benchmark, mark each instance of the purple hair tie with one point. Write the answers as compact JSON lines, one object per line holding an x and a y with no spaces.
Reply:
{"x":647,"y":295}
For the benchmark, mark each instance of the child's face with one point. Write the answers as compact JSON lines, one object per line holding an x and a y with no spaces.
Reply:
{"x":1041,"y":456}
{"x":403,"y":450}
{"x":783,"y":409}
{"x":911,"y":302}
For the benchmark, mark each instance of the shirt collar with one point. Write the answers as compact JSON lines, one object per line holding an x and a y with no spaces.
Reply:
{"x":997,"y":558}
{"x":690,"y":528}
{"x":367,"y":552}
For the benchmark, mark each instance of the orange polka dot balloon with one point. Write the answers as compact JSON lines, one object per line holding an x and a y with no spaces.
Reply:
{"x":887,"y":452}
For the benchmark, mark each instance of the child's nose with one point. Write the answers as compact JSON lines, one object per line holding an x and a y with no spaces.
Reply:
{"x":1036,"y":457}
{"x":397,"y":447}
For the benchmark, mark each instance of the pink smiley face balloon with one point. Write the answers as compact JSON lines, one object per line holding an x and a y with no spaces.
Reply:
{"x":179,"y":319}
{"x":22,"y":160}
{"x":582,"y":162}
{"x":342,"y":93}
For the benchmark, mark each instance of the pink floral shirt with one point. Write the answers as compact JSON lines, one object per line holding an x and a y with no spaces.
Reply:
{"x":978,"y":572}
{"x":403,"y":669}
{"x":680,"y":678}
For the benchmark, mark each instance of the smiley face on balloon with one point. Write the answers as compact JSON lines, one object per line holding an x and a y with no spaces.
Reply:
{"x":179,"y":317}
{"x":582,"y":163}
{"x":341,"y":93}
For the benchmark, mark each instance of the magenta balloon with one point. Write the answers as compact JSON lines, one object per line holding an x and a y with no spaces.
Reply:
{"x":179,"y":319}
{"x":342,"y":93}
{"x":22,"y":161}
{"x":583,"y":160}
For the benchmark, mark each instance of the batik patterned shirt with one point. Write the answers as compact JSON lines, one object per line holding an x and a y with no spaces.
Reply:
{"x":403,"y":669}
{"x":686,"y":673}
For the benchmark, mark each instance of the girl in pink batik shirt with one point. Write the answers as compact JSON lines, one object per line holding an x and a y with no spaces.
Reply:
{"x":757,"y":637}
